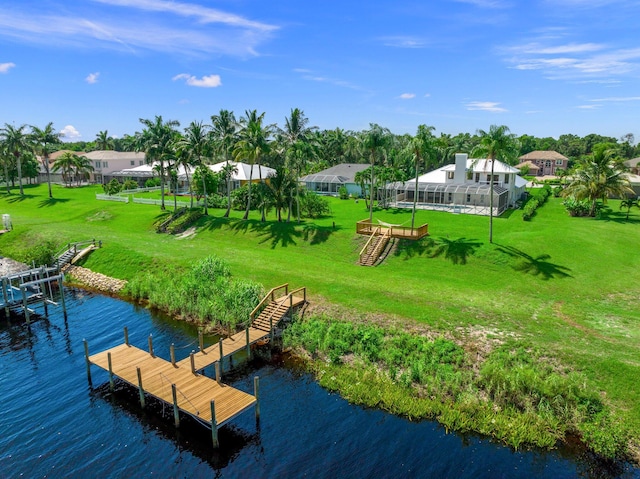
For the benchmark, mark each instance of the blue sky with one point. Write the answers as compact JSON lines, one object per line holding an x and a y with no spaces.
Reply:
{"x":541,"y":67}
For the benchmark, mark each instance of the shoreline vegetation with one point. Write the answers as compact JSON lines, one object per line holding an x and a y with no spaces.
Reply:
{"x":457,"y":357}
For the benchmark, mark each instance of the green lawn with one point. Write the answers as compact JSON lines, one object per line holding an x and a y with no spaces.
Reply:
{"x":568,"y":286}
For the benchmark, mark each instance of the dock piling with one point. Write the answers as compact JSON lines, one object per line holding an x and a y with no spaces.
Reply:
{"x":86,"y":357}
{"x":201,"y":341}
{"x":151,"y":345}
{"x":172,"y":352}
{"x":126,"y":336}
{"x":218,"y":372}
{"x":111,"y":384}
{"x":176,"y":410}
{"x":248,"y":345}
{"x":221,"y":355}
{"x":256,"y":393}
{"x":193,"y":361}
{"x":214,"y":426}
{"x":25,"y":304}
{"x":140,"y":388}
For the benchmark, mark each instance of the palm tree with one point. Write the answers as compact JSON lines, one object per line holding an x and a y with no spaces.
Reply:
{"x":155,"y":140}
{"x":629,"y":203}
{"x":375,"y":140}
{"x":5,"y":156}
{"x":195,"y":143}
{"x":253,"y":144}
{"x":223,"y":135}
{"x":279,"y":188}
{"x":82,"y":166}
{"x":496,"y":143}
{"x":67,"y":164}
{"x":44,"y":139}
{"x":297,"y":137}
{"x":16,"y":142}
{"x":103,"y":141}
{"x":597,"y":177}
{"x":423,"y":148}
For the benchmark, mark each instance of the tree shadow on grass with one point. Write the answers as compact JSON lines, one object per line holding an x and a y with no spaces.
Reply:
{"x":538,"y":266}
{"x":282,"y":234}
{"x":607,"y":214}
{"x":52,"y":202}
{"x":315,"y":234}
{"x":19,"y":198}
{"x":455,"y":250}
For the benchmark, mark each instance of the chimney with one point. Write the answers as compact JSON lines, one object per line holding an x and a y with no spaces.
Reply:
{"x":460,"y":173}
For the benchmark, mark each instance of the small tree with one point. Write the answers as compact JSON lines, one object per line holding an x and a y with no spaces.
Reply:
{"x":629,"y":203}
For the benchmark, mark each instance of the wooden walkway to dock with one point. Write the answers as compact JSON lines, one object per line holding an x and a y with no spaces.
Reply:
{"x":178,"y":383}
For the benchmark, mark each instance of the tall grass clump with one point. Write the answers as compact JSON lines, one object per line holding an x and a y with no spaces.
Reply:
{"x":206,"y":293}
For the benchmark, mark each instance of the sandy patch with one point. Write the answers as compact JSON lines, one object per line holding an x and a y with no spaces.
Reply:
{"x":187,"y":234}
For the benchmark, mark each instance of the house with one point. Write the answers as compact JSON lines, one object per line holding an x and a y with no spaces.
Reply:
{"x":633,"y":165}
{"x":242,"y":173}
{"x":106,"y":162}
{"x":462,"y":187}
{"x":329,"y":181}
{"x":547,"y":162}
{"x":530,"y":168}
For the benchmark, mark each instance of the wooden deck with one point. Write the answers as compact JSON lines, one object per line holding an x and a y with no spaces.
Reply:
{"x":365,"y":227}
{"x":194,"y":391}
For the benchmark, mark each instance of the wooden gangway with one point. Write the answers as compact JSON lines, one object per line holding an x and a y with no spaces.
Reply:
{"x":263,"y":320}
{"x":180,"y":384}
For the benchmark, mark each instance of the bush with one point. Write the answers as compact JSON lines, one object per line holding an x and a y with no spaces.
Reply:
{"x":184,"y":221}
{"x":130,"y":184}
{"x":113,"y":187}
{"x":240,"y":196}
{"x":577,"y":207}
{"x":535,"y":201}
{"x":152,"y":183}
{"x":217,"y":201}
{"x":41,"y":254}
{"x":343,"y":193}
{"x":313,"y":205}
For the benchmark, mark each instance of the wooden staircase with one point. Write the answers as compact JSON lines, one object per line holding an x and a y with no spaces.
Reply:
{"x":272,"y":309}
{"x":374,"y":247}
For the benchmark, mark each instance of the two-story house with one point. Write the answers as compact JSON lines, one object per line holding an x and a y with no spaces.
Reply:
{"x":547,"y":162}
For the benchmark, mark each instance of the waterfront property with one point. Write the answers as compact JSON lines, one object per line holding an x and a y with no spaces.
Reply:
{"x":329,"y":181}
{"x":462,"y":187}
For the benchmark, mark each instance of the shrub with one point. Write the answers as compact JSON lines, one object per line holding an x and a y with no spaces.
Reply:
{"x":343,"y":193}
{"x":240,"y":196}
{"x":577,"y":207}
{"x":130,"y":184}
{"x":41,"y":254}
{"x":217,"y":201}
{"x":152,"y":183}
{"x":184,"y":221}
{"x":113,"y":187}
{"x":313,"y":205}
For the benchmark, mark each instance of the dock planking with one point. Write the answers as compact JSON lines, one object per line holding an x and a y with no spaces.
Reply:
{"x":194,"y":391}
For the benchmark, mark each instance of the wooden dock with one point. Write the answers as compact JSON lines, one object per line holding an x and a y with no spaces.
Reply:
{"x":179,"y":383}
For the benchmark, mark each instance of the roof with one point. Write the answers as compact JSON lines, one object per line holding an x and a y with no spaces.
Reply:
{"x":243,"y":170}
{"x":532,"y":166}
{"x":543,"y":155}
{"x":108,"y":155}
{"x":342,"y":173}
{"x":632,"y":163}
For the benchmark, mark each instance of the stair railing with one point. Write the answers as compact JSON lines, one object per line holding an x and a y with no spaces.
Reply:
{"x":363,"y":251}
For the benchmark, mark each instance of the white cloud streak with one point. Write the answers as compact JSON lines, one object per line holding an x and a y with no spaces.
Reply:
{"x":490,"y":106}
{"x":207,"y":81}
{"x":407,"y":96}
{"x":69,"y":132}
{"x":5,"y":67}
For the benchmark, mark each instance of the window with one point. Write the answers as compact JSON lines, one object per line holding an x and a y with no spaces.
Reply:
{"x":450,"y":197}
{"x":141,"y":162}
{"x":133,"y":163}
{"x":450,"y":175}
{"x":477,"y":177}
{"x":105,"y":164}
{"x":506,"y":179}
{"x":547,"y":164}
{"x":468,"y":198}
{"x":97,"y":164}
{"x":558,"y":162}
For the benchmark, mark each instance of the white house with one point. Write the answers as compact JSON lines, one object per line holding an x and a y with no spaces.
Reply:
{"x":462,"y":187}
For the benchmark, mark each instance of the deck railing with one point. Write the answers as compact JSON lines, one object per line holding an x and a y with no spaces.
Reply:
{"x":365,"y":227}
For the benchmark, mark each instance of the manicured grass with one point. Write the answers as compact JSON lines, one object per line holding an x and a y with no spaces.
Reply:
{"x":566,"y":286}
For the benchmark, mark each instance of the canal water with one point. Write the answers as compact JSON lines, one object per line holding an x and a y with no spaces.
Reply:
{"x":53,"y":424}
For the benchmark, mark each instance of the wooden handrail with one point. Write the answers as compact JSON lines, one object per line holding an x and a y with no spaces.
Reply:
{"x":269,"y":295}
{"x":373,"y":234}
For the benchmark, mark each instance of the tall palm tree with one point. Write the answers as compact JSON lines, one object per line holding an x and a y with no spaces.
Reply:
{"x":103,"y":141}
{"x":195,"y":142}
{"x":597,"y":177}
{"x":16,"y":142}
{"x":423,"y":148}
{"x":82,"y":167}
{"x":44,"y":139}
{"x":224,"y":135}
{"x":67,"y":164}
{"x":297,"y":137}
{"x":497,"y":143}
{"x":375,"y":141}
{"x":252,"y":146}
{"x":156,"y":140}
{"x":279,"y":188}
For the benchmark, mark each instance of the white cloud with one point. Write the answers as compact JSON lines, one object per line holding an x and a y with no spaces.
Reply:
{"x":134,"y":28}
{"x":486,"y":3}
{"x":207,"y":81}
{"x":407,"y":96}
{"x":490,"y":106}
{"x":618,"y":99}
{"x":69,"y":132}
{"x":588,"y":107}
{"x":5,"y":67}
{"x":92,"y":78}
{"x":403,"y":42}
